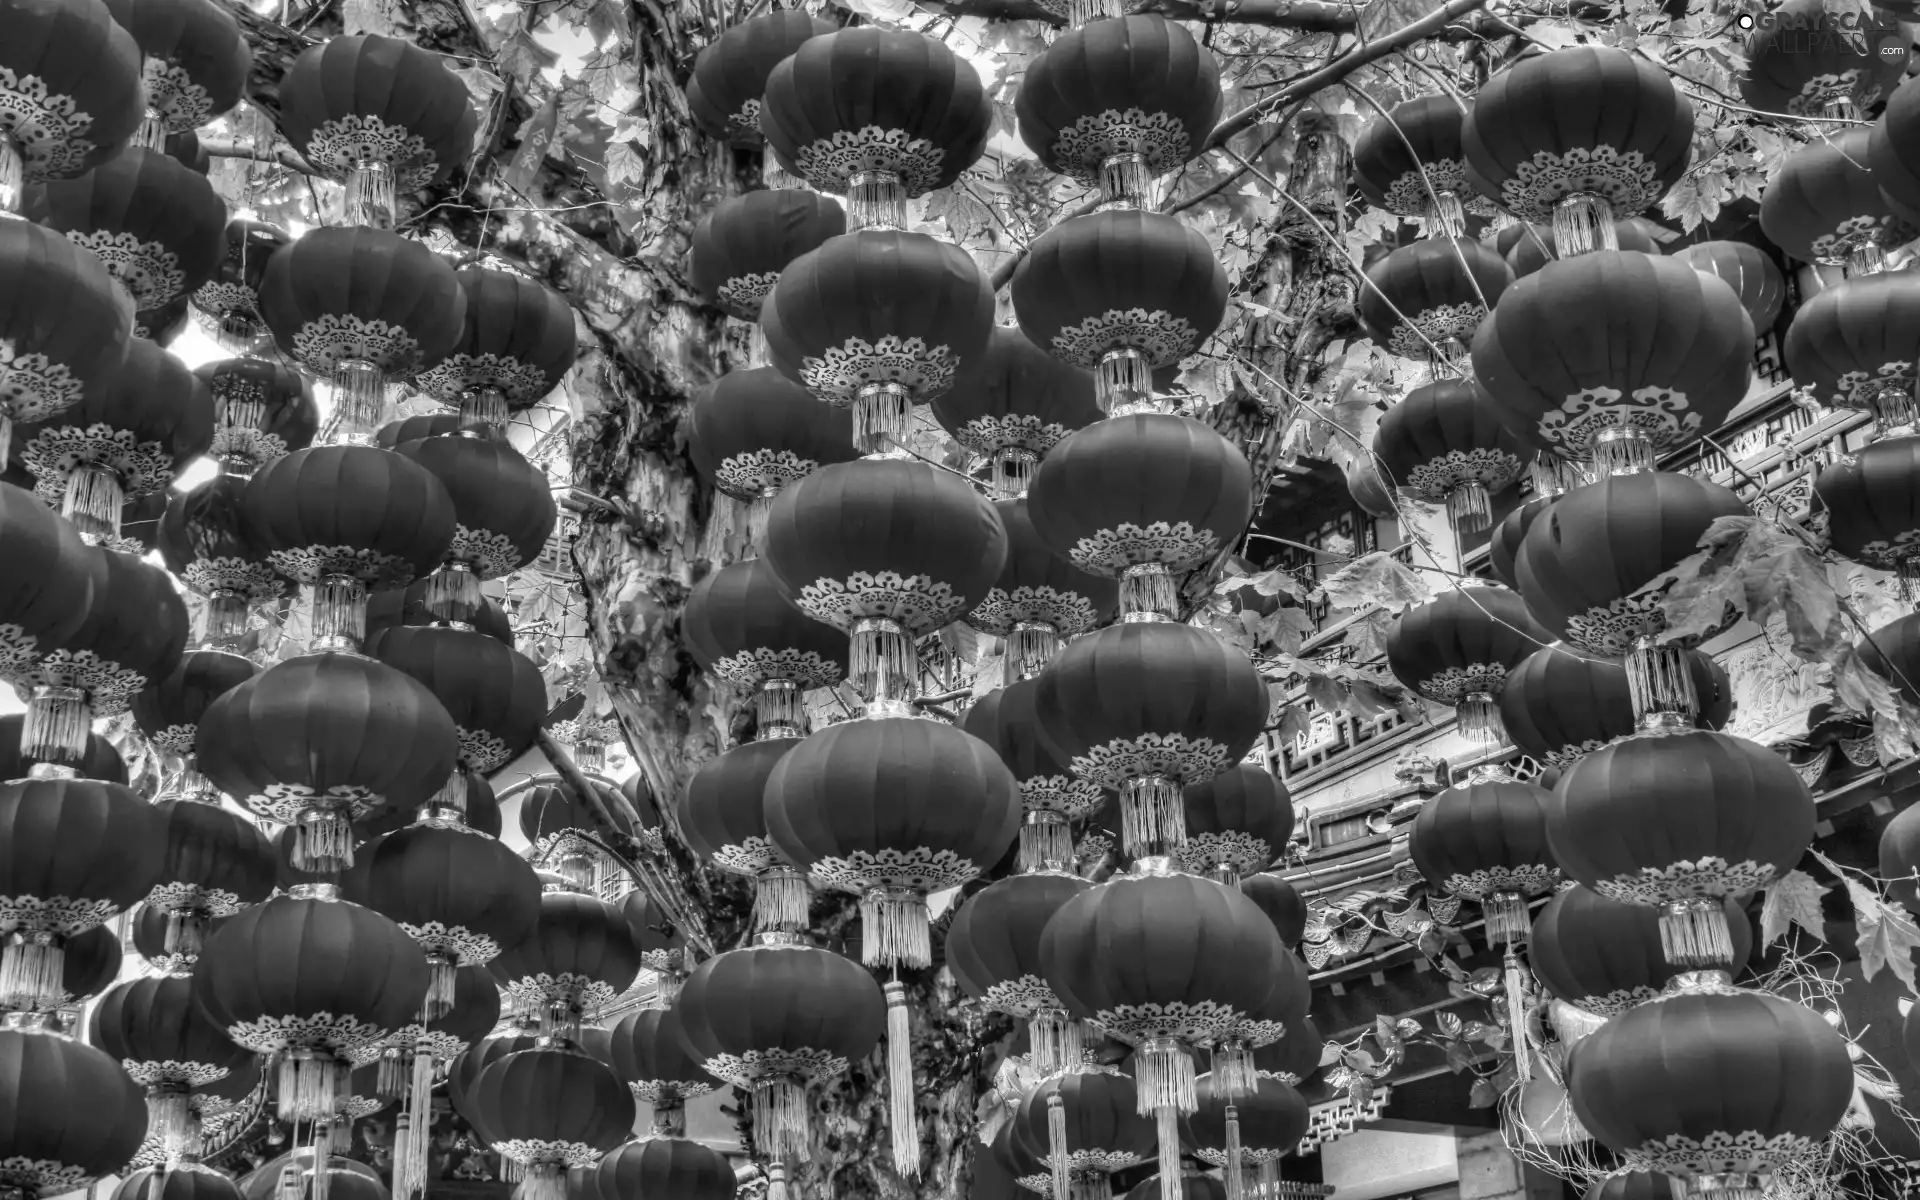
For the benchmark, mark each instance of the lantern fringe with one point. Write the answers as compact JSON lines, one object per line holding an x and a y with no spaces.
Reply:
{"x":6,"y":421}
{"x":93,"y":501}
{"x":1055,"y":1040}
{"x":1090,"y":1185}
{"x":881,"y":662}
{"x":1516,"y":988}
{"x":483,"y":413}
{"x":1236,"y":1165}
{"x":55,"y":730}
{"x":1030,"y":647}
{"x":371,"y":197}
{"x":779,"y":710}
{"x":359,"y":402}
{"x":186,"y":931}
{"x":510,"y":1171}
{"x":894,"y":929}
{"x":442,"y":972}
{"x":322,"y":1158}
{"x":1153,"y":816}
{"x":1469,"y":508}
{"x":1233,"y":1070}
{"x":1149,"y":588}
{"x":543,"y":1181}
{"x":876,"y":200}
{"x":390,"y":1079}
{"x":323,"y":841}
{"x":1660,"y":681}
{"x":780,"y":899}
{"x":1126,"y":181}
{"x":882,"y":417}
{"x":1582,"y":224}
{"x":13,"y":181}
{"x":1012,"y":471}
{"x":1167,"y":1129}
{"x":1121,"y":379}
{"x":1057,"y":1148}
{"x":411,"y":1160}
{"x":1478,"y":719}
{"x":293,"y":1184}
{"x":1622,"y":450}
{"x":670,"y":1117}
{"x":1446,"y":215}
{"x":1553,"y":476}
{"x":780,"y":1118}
{"x":1163,"y":1079}
{"x":901,"y":1116}
{"x":1268,"y":1174}
{"x":777,"y":1181}
{"x":577,"y":869}
{"x":310,"y":1085}
{"x":1694,"y":933}
{"x":453,"y":593}
{"x":1506,"y":918}
{"x":32,"y":970}
{"x":1728,"y":1187}
{"x":170,"y":1117}
{"x":337,"y":613}
{"x":666,"y":989}
{"x":1046,"y":841}
{"x":777,"y":178}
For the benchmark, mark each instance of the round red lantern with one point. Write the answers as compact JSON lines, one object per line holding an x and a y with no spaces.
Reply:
{"x":516,"y":345}
{"x":1015,"y":405}
{"x":68,"y":1113}
{"x":1447,"y":446}
{"x":73,"y":93}
{"x":993,"y":950}
{"x":1424,"y":301}
{"x":1746,"y":268}
{"x":1803,"y":61}
{"x":550,"y":1109}
{"x":742,"y":246}
{"x":261,"y":411}
{"x":730,"y":74}
{"x":64,"y":326}
{"x":503,"y":514}
{"x":1410,"y":162}
{"x":1457,"y":649}
{"x":228,"y":306}
{"x":1050,"y":796}
{"x":650,"y":1053}
{"x":1606,"y":956}
{"x":1561,"y":703}
{"x":1823,"y":205}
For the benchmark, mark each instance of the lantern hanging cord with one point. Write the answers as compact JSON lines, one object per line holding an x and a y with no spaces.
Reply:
{"x":1453,"y":236}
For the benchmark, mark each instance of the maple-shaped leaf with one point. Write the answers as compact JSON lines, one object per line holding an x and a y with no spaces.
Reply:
{"x":1367,"y":635}
{"x":1793,"y":899}
{"x":1376,"y":580}
{"x":1483,"y":1094}
{"x":1888,"y":936}
{"x":1293,"y":721}
{"x":1284,"y":629}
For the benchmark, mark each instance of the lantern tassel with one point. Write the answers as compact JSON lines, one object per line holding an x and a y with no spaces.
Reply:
{"x":1582,"y":224}
{"x":780,"y":1118}
{"x":453,"y":593}
{"x":1055,"y":1039}
{"x":483,"y":413}
{"x":543,"y":1181}
{"x":1694,"y":933}
{"x":1506,"y":918}
{"x":1516,"y":987}
{"x":511,"y":1171}
{"x":1469,"y":508}
{"x":310,"y":1084}
{"x":906,"y":1126}
{"x":1149,"y":588}
{"x":6,"y":415}
{"x":777,"y":1180}
{"x":1163,"y":1078}
{"x":323,"y":841}
{"x":876,"y":200}
{"x":882,"y":417}
{"x":32,"y":970}
{"x":1012,"y":473}
{"x":670,"y":1117}
{"x":1233,"y":1070}
{"x":1236,"y":1177}
{"x":93,"y":501}
{"x":371,"y":198}
{"x":1122,"y":379}
{"x":1478,"y":719}
{"x":1660,"y":682}
{"x":390,"y":1080}
{"x":13,"y":180}
{"x":1622,"y":450}
{"x":419,"y":1124}
{"x":1733,"y":1186}
{"x":1046,"y":842}
{"x":293,"y":1184}
{"x":359,"y":402}
{"x":442,"y":972}
{"x":186,"y":931}
{"x":1057,"y":1149}
{"x":1153,"y":816}
{"x":322,"y":1158}
{"x":779,"y":710}
{"x":780,"y":897}
{"x":894,"y":930}
{"x":1269,"y":1176}
{"x":1167,"y":1127}
{"x":882,"y":665}
{"x":169,"y":1116}
{"x":55,"y":730}
{"x":1031,"y":645}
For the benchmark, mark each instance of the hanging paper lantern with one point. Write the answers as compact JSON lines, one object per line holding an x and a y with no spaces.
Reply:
{"x":44,"y":597}
{"x":1041,"y":599}
{"x":229,"y":304}
{"x":155,"y":224}
{"x":196,"y":62}
{"x":516,"y":346}
{"x":1891,"y":156}
{"x":408,"y":606}
{"x":878,"y":321}
{"x":215,"y":864}
{"x":1424,"y":300}
{"x":1588,"y":554}
{"x":663,"y":947}
{"x":219,"y":1107}
{"x":1534,"y":246}
{"x":724,"y":820}
{"x":1123,"y":294}
{"x":658,"y":1166}
{"x":1615,"y":355}
{"x":261,"y":411}
{"x":1410,"y":163}
{"x":1606,"y":956}
{"x":755,"y":432}
{"x":1143,"y":497}
{"x":742,"y":246}
{"x":876,"y":115}
{"x":744,"y":631}
{"x":560,"y":826}
{"x":494,"y":694}
{"x":774,"y":1019}
{"x":1445,"y":446}
{"x":1249,"y":1130}
{"x":1168,"y":964}
{"x":1748,"y":270}
{"x":126,"y":438}
{"x":1457,"y":649}
{"x":1561,"y":703}
{"x":413,"y":1054}
{"x":343,"y":1179}
{"x":68,"y":1114}
{"x":503,"y":511}
{"x":1638,"y":1185}
{"x":651,"y":1055}
{"x":993,"y":950}
{"x":1852,"y":346}
{"x":321,"y":740}
{"x":73,"y":94}
{"x":64,"y":326}
{"x":1873,"y":507}
{"x":380,"y":114}
{"x":550,"y":1109}
{"x":887,"y":551}
{"x":311,"y":981}
{"x":91,"y":963}
{"x":1823,"y":205}
{"x":1116,"y":103}
{"x":1486,"y":841}
{"x":1679,"y":822}
{"x":1295,"y":1057}
{"x":1235,"y":1068}
{"x":1718,"y":1087}
{"x":163,"y":325}
{"x":1804,"y":62}
{"x":362,"y":307}
{"x":1014,"y":405}
{"x":1532,"y":144}
{"x":891,"y":809}
{"x":1080,"y":1127}
{"x":1050,"y":796}
{"x":578,"y":957}
{"x":204,"y":539}
{"x":167,"y":1046}
{"x":100,"y":761}
{"x":466,"y":1068}
{"x":1503,"y":544}
{"x":730,"y":74}
{"x":1280,"y":900}
{"x":168,"y":712}
{"x":1237,"y":823}
{"x":1146,"y":709}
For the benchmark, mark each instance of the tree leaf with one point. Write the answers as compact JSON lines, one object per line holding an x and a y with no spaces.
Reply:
{"x":1888,"y":936}
{"x":1376,"y":580}
{"x":1294,"y":722}
{"x":1793,"y":899}
{"x":1483,"y":1094}
{"x":1448,"y":1023}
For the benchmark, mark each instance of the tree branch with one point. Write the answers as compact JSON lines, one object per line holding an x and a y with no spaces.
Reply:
{"x":279,"y":153}
{"x":1307,"y":16}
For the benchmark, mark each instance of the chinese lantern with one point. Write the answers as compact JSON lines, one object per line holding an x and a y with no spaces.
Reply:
{"x":1803,"y":62}
{"x":651,"y":1055}
{"x":1281,"y":901}
{"x":1748,"y":270}
{"x":878,"y":321}
{"x":730,"y":73}
{"x":550,"y":1109}
{"x":195,"y":64}
{"x":467,"y":1066}
{"x":503,"y":512}
{"x":1424,"y":300}
{"x":1853,"y":347}
{"x":1235,"y":1068}
{"x":723,"y":816}
{"x":1237,"y":823}
{"x":100,"y":761}
{"x":494,"y":694}
{"x":1117,"y":103}
{"x":413,"y":1053}
{"x":68,"y":1113}
{"x":362,"y":307}
{"x":1446,"y":446}
{"x":1082,"y":1123}
{"x":1040,"y":600}
{"x":74,"y":93}
{"x":743,"y":630}
{"x":44,"y":598}
{"x":1532,"y":145}
{"x":1716,"y":1086}
{"x":408,"y":606}
{"x":1824,"y":205}
{"x":1890,"y":153}
{"x":1295,"y":1057}
{"x":1607,"y":956}
{"x":1014,"y":405}
{"x":663,"y":948}
{"x":1255,"y":1129}
{"x":561,"y":826}
{"x":1050,"y":796}
{"x":1873,"y":507}
{"x":993,"y":950}
{"x":1410,"y":162}
{"x":658,"y":1166}
{"x":1503,"y":544}
{"x":63,"y":324}
{"x":516,"y":345}
{"x":755,"y":432}
{"x":167,"y":1046}
{"x":1561,"y":703}
{"x":205,"y":541}
{"x":876,"y":115}
{"x":742,"y":246}
{"x":261,"y":411}
{"x":228,"y":305}
{"x":1457,"y":649}
{"x":1678,"y":822}
{"x":578,"y":957}
{"x":1533,"y":246}
{"x":1123,"y":294}
{"x":380,"y":114}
